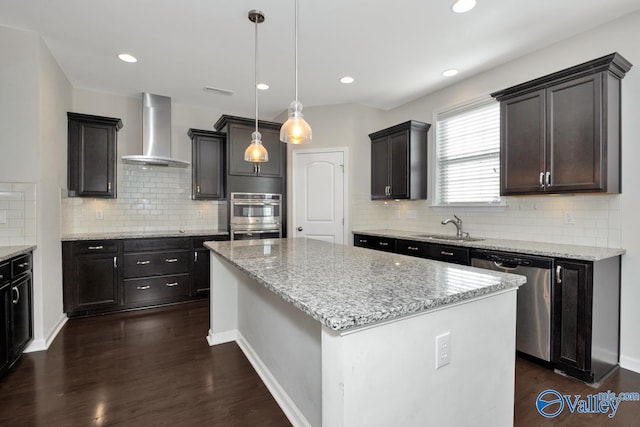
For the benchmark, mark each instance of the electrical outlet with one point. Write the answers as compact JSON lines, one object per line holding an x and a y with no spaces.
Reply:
{"x":99,"y":214}
{"x":568,"y":217}
{"x":198,"y":213}
{"x":443,"y":350}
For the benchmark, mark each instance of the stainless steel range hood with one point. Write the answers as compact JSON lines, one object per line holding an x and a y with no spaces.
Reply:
{"x":156,"y":134}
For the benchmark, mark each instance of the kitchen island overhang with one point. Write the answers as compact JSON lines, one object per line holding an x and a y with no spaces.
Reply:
{"x":345,"y":336}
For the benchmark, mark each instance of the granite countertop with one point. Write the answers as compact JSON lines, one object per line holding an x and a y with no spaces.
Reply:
{"x":585,"y":253}
{"x":7,"y":252}
{"x":345,"y":287}
{"x":141,"y":234}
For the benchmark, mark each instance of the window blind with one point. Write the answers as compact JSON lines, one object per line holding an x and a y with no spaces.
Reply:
{"x":468,"y":154}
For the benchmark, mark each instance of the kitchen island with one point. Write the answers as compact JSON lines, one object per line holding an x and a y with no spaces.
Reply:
{"x":346,"y":336}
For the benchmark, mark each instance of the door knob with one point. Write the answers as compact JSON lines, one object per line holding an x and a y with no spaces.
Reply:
{"x":300,"y":228}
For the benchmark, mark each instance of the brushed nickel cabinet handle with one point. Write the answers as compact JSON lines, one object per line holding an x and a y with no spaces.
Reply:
{"x":412,"y":248}
{"x":541,"y":179}
{"x":95,"y":248}
{"x":143,"y":288}
{"x":558,"y":274}
{"x":363,"y":240}
{"x":109,"y":186}
{"x":548,"y":179}
{"x":15,"y":301}
{"x":446,"y":253}
{"x":384,"y":244}
{"x":143,"y":262}
{"x":115,"y":262}
{"x":170,"y":260}
{"x":198,"y":189}
{"x":171,"y":285}
{"x":1,"y":276}
{"x":195,"y":256}
{"x":23,"y":265}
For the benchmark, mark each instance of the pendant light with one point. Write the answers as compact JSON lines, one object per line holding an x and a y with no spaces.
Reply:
{"x":296,"y":130}
{"x":256,"y":152}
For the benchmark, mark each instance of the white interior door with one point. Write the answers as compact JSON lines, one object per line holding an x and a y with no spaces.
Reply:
{"x":319,"y":191}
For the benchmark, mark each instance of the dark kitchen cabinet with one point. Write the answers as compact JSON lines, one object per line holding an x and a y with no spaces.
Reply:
{"x":16,"y":309}
{"x":387,"y":244}
{"x":201,"y":264}
{"x":238,"y":131}
{"x":586,"y":315}
{"x":92,"y":155}
{"x":90,"y":276}
{"x":561,"y":133}
{"x":399,"y":161}
{"x":208,"y":161}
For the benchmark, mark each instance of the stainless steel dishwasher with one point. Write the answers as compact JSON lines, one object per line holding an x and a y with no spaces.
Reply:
{"x":533,"y":327}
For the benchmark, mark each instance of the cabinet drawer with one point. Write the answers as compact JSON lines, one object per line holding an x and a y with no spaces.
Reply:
{"x":452,"y":254}
{"x":95,"y":246}
{"x":387,"y":244}
{"x":5,"y":272}
{"x":159,"y":244}
{"x":20,"y":265}
{"x":155,"y":263}
{"x":408,"y":247}
{"x":156,"y":288}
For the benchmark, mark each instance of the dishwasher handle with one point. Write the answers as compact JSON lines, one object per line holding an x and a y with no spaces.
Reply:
{"x":506,"y":265}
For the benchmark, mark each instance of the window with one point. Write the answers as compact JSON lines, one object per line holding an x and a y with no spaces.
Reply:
{"x":468,"y":154}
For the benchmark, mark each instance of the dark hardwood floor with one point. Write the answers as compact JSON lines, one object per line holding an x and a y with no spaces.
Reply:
{"x":154,"y":367}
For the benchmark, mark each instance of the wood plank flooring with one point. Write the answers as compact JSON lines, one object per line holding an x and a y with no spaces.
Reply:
{"x":154,"y":368}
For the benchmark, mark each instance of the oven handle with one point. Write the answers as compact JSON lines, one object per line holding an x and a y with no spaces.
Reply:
{"x":274,"y":230}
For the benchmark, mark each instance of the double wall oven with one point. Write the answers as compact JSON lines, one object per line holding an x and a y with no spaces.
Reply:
{"x":255,"y":216}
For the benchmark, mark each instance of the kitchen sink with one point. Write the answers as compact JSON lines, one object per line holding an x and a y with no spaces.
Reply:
{"x":448,"y":237}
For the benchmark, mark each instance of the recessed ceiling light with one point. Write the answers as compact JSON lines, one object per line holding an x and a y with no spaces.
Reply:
{"x":262,"y":86}
{"x":449,"y":73}
{"x":127,"y":58}
{"x":347,"y":79}
{"x":462,"y":6}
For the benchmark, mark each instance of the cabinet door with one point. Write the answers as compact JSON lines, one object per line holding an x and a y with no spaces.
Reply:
{"x":5,"y":295}
{"x":398,"y":165}
{"x":522,"y":147}
{"x":21,"y":320}
{"x":574,"y":135}
{"x":572,"y":301}
{"x":379,"y":167}
{"x":94,"y":159}
{"x":208,"y":171}
{"x":201,"y":271}
{"x":96,"y":281}
{"x":239,"y":140}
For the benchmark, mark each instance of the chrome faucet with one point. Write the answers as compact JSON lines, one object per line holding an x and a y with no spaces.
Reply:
{"x":458,"y":223}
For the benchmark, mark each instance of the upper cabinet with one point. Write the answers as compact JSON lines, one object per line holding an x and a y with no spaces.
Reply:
{"x":399,"y":161}
{"x":561,"y":133}
{"x":92,"y":155}
{"x":207,"y":159}
{"x":239,"y":132}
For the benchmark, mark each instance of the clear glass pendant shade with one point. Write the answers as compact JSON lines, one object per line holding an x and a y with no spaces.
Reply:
{"x":295,"y":130}
{"x":256,"y":152}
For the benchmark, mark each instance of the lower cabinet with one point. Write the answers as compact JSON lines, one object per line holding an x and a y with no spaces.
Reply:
{"x":116,"y":275}
{"x":16,"y":312}
{"x":435,"y":251}
{"x":586,"y":329}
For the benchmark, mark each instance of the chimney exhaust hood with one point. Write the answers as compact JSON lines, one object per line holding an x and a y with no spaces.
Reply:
{"x":156,"y":134}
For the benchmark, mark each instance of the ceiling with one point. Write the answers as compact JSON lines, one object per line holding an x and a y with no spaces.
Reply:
{"x":395,"y":49}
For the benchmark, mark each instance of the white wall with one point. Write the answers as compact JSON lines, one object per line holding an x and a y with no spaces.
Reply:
{"x":33,"y":105}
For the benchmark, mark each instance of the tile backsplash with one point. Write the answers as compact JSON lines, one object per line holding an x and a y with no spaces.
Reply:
{"x":150,"y":198}
{"x":17,"y":213}
{"x":593,"y":220}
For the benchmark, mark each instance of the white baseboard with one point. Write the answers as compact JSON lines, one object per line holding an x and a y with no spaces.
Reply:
{"x":630,"y":363}
{"x":287,"y":405}
{"x":44,"y":343}
{"x":221,"y":337}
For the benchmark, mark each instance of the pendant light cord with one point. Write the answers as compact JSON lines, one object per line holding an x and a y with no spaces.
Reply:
{"x":295,"y":55}
{"x":255,"y":65}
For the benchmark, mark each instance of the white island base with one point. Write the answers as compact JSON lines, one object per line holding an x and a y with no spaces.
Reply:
{"x":377,"y":375}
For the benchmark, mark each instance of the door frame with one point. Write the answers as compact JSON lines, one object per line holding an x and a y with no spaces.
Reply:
{"x":345,"y":185}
